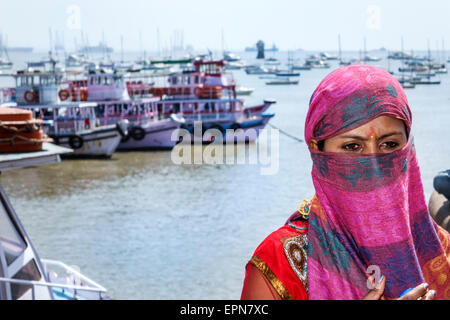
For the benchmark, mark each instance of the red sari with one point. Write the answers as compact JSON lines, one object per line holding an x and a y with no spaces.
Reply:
{"x":278,"y":268}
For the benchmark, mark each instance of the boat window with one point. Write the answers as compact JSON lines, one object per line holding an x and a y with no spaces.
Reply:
{"x":99,"y":80}
{"x":29,"y":272}
{"x":174,"y":80}
{"x":107,"y":81}
{"x":91,"y":81}
{"x":36,"y":80}
{"x":10,"y":239}
{"x":196,"y":79}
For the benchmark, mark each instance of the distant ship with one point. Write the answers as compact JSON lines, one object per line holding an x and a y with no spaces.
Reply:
{"x":98,"y":49}
{"x":253,"y":49}
{"x":20,"y":49}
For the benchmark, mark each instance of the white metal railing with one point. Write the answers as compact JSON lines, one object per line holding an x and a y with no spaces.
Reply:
{"x":89,"y":285}
{"x":33,"y":283}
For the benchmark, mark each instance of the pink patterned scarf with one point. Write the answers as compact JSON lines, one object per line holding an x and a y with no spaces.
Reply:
{"x":370,"y":211}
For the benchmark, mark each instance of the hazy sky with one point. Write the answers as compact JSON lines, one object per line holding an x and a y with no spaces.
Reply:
{"x":291,"y":24}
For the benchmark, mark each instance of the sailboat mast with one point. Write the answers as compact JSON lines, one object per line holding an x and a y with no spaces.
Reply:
{"x":339,"y":48}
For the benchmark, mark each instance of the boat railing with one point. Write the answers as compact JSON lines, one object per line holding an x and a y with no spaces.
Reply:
{"x":71,"y":271}
{"x":33,"y":284}
{"x":80,"y":283}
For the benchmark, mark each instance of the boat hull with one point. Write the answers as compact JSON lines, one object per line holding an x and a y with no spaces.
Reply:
{"x":243,"y":131}
{"x":99,"y":143}
{"x":158,"y":135}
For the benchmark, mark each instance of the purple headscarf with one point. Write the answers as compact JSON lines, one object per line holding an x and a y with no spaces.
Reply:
{"x":370,"y":212}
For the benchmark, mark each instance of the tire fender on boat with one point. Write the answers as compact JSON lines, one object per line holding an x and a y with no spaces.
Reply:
{"x":137,"y":133}
{"x":76,"y":142}
{"x":119,"y":129}
{"x":217,"y":127}
{"x":236,"y":126}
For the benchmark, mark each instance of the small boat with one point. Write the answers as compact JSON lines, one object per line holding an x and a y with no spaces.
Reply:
{"x":272,"y":61}
{"x":243,"y":91}
{"x":327,"y":56}
{"x":231,"y":57}
{"x":281,"y":81}
{"x":301,"y":67}
{"x":368,"y":58}
{"x":5,"y":64}
{"x":259,"y":70}
{"x":235,"y":65}
{"x":408,"y":85}
{"x":287,"y":73}
{"x":24,"y":275}
{"x":428,"y":81}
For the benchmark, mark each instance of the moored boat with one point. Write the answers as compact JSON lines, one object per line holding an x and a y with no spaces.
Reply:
{"x":75,"y":126}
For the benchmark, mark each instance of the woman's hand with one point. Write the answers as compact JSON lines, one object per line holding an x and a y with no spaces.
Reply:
{"x":418,"y":293}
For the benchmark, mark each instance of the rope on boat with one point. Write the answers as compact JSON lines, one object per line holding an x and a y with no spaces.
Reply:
{"x":30,"y":126}
{"x":286,"y":134}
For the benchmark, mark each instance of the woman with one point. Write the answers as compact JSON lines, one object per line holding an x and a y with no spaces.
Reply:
{"x":366,"y":233}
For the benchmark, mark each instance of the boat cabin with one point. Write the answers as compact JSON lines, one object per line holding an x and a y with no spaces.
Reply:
{"x":136,"y":112}
{"x":201,"y":109}
{"x":67,"y":119}
{"x":37,"y":87}
{"x":101,"y":86}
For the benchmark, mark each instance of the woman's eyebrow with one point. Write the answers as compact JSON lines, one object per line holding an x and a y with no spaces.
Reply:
{"x":356,"y":137}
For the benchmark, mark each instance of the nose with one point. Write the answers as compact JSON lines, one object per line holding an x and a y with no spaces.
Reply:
{"x":371,"y":147}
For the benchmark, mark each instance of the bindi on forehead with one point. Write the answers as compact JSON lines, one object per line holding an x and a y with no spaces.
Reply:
{"x":371,"y":133}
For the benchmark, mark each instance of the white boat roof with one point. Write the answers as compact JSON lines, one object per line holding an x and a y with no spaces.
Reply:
{"x":142,"y":100}
{"x":49,"y":154}
{"x":55,"y":106}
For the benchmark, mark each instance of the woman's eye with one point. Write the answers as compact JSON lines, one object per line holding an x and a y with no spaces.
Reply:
{"x":352,"y":147}
{"x":389,"y":145}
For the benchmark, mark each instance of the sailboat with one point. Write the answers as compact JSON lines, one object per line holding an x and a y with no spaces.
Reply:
{"x":5,"y":63}
{"x":341,"y":62}
{"x":290,"y":71}
{"x":429,"y":74}
{"x":406,"y":82}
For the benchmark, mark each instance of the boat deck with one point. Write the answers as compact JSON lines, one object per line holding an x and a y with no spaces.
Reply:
{"x":50,"y":154}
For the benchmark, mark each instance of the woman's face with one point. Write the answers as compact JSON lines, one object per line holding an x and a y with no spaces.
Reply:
{"x":381,"y":135}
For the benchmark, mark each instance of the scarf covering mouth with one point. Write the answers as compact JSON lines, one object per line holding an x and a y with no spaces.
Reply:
{"x":369,"y":216}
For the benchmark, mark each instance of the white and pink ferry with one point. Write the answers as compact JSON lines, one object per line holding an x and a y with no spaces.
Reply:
{"x":147,"y":128}
{"x":207,"y":95}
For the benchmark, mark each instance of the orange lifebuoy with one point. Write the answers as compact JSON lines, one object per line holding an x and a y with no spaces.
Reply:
{"x":84,"y":94}
{"x":63,"y":94}
{"x":198,"y":91}
{"x":172,"y":91}
{"x":74,"y":94}
{"x":27,"y":97}
{"x":158,"y":92}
